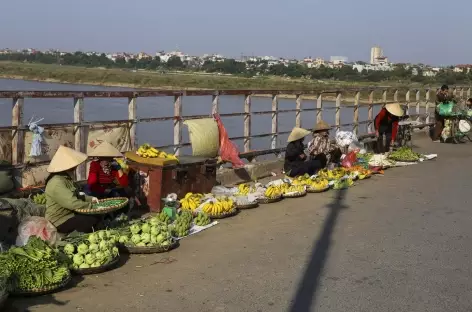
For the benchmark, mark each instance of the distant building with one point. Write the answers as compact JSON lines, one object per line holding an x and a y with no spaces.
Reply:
{"x":338,"y":60}
{"x":376,"y":52}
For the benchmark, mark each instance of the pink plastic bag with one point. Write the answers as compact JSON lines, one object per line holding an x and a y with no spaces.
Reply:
{"x":228,"y":150}
{"x":36,"y":226}
{"x":349,"y":160}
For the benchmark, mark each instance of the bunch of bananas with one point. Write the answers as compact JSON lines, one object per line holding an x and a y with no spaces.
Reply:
{"x":273,"y":191}
{"x":222,"y":205}
{"x":302,"y":180}
{"x":123,"y":165}
{"x":191,"y":201}
{"x":244,"y":189}
{"x":147,"y":151}
{"x":287,"y":189}
{"x":334,"y":174}
{"x":39,"y":199}
{"x":318,"y":183}
{"x":202,"y":219}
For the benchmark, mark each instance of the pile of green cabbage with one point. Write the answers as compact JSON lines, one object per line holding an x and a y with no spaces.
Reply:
{"x":93,"y":250}
{"x":149,"y":233}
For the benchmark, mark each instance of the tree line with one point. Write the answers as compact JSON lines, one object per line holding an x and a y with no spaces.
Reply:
{"x":245,"y":69}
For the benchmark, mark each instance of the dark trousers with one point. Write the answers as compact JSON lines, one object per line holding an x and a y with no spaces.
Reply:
{"x":438,"y":127}
{"x":381,"y":147}
{"x":114,"y":192}
{"x":79,"y":223}
{"x":310,"y":167}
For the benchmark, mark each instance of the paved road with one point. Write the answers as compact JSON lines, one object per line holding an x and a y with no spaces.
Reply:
{"x":395,"y":243}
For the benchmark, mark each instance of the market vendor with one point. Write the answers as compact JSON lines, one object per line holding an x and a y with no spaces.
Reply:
{"x":62,"y":195}
{"x":296,"y":162}
{"x":386,"y":123}
{"x":106,"y":178}
{"x":321,"y":148}
{"x":442,"y":96}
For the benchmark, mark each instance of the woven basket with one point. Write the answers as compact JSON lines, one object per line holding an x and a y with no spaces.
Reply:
{"x":42,"y":291}
{"x":295,"y":195}
{"x":315,"y":190}
{"x":266,"y":200}
{"x":106,"y":267}
{"x":228,"y":214}
{"x":148,"y":250}
{"x":92,"y":211}
{"x":248,"y":206}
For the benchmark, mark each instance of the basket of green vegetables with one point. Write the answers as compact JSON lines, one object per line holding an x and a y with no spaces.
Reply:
{"x":404,"y":154}
{"x":35,"y":269}
{"x":105,"y":206}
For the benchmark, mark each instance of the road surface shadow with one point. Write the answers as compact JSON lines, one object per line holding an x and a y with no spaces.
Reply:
{"x":305,"y":296}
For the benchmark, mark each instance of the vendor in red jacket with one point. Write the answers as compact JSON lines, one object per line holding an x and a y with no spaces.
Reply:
{"x":106,"y":178}
{"x":386,"y":123}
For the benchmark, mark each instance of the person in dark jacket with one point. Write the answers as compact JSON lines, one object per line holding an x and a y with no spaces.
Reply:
{"x":442,"y":96}
{"x":386,"y":123}
{"x":296,"y":162}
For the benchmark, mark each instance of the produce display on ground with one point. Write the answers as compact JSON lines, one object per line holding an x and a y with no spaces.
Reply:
{"x":34,"y":266}
{"x":147,"y":151}
{"x":92,"y":250}
{"x":37,"y":267}
{"x":404,"y":154}
{"x":152,"y":232}
{"x":39,"y":199}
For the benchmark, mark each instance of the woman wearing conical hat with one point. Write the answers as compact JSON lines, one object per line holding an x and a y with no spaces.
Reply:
{"x":296,"y":162}
{"x":106,"y":178}
{"x":321,"y":147}
{"x":62,"y":195}
{"x":386,"y":123}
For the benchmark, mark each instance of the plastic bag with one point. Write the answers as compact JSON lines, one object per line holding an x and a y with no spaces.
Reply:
{"x":345,"y":138}
{"x":36,"y":226}
{"x":445,"y":109}
{"x":228,"y":150}
{"x":223,"y":191}
{"x":349,"y":160}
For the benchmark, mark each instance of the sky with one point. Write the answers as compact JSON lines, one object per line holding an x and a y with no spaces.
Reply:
{"x":417,"y":31}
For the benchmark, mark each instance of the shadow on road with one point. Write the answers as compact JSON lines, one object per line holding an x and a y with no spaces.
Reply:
{"x":305,"y":296}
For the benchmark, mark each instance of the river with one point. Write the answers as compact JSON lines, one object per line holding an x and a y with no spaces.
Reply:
{"x":161,"y":132}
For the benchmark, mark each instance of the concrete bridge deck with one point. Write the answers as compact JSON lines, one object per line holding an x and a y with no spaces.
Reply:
{"x":400,"y":242}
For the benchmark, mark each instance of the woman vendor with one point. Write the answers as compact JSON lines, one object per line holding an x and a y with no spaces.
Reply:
{"x":106,"y":178}
{"x":321,"y":148}
{"x":62,"y":196}
{"x":386,"y":123}
{"x":296,"y":162}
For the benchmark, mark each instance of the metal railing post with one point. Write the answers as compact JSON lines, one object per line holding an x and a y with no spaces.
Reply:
{"x":215,"y":103}
{"x":79,"y":135}
{"x":18,"y":135}
{"x":370,"y":112}
{"x":338,"y":111}
{"x":132,"y":116}
{"x":247,"y":123}
{"x":275,"y":124}
{"x":177,"y":123}
{"x":418,"y":95}
{"x":355,"y":128}
{"x":298,"y":113}
{"x":319,"y":107}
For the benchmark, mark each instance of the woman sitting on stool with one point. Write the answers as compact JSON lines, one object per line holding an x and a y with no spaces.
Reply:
{"x":296,"y":162}
{"x":321,"y":148}
{"x":386,"y":123}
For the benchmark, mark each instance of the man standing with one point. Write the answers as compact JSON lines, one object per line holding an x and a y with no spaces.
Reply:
{"x":442,"y":96}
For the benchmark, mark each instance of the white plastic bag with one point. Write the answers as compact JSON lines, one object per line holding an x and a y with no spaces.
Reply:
{"x":223,"y":191}
{"x":36,"y":226}
{"x":345,"y":138}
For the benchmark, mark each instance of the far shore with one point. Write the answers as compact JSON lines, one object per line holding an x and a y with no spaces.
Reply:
{"x":330,"y":98}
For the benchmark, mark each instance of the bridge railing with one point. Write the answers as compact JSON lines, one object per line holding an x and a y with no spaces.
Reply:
{"x":32,"y":171}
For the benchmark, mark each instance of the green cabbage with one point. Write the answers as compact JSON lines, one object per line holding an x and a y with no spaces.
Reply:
{"x":89,"y":259}
{"x":82,"y":249}
{"x":154,"y":230}
{"x":78,"y":259}
{"x":136,"y":238}
{"x":69,"y":249}
{"x":84,"y":266}
{"x":93,"y":238}
{"x":103,"y":245}
{"x":123,"y":239}
{"x":141,"y":244}
{"x":103,"y":235}
{"x":153,"y":239}
{"x":145,"y":228}
{"x":135,"y":229}
{"x":160,"y":238}
{"x":145,"y":238}
{"x":93,"y":248}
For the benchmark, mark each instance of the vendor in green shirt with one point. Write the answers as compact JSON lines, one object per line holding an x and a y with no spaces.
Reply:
{"x":62,"y":195}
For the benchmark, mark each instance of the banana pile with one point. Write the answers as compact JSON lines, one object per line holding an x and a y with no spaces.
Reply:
{"x":245,"y":189}
{"x":147,"y":151}
{"x":343,"y":184}
{"x":182,"y":224}
{"x":39,"y":199}
{"x":191,"y":201}
{"x":273,"y":191}
{"x":318,"y":183}
{"x":124,"y":166}
{"x":288,"y":189}
{"x":302,"y":180}
{"x":222,"y":205}
{"x":334,"y":174}
{"x":202,"y":219}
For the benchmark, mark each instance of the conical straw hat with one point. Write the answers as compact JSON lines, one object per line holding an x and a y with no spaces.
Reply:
{"x":297,"y":134}
{"x":395,"y":109}
{"x":65,"y":158}
{"x":105,"y":149}
{"x":321,"y":125}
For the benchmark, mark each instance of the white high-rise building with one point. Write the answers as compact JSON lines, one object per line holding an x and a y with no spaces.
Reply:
{"x":375,"y":53}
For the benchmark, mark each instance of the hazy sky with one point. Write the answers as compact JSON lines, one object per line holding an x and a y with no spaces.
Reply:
{"x":428,"y":31}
